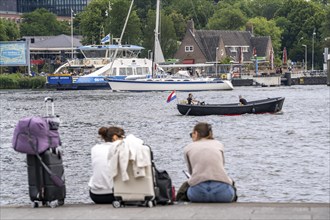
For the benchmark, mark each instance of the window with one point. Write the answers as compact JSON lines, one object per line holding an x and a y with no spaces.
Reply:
{"x":189,"y":49}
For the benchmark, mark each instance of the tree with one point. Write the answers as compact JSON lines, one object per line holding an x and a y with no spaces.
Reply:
{"x":167,"y":35}
{"x":227,"y":19}
{"x":298,"y":19}
{"x":98,"y":19}
{"x":265,"y":8}
{"x":8,"y":30}
{"x":41,"y":23}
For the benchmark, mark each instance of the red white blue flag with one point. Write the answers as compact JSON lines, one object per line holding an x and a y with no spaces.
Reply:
{"x":171,"y":97}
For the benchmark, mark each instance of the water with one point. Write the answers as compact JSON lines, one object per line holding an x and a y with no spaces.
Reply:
{"x":272,"y":157}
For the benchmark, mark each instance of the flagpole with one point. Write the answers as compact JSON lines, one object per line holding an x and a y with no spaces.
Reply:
{"x":71,"y":34}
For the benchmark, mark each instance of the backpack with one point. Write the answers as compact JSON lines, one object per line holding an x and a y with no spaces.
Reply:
{"x":165,"y":193}
{"x":34,"y":135}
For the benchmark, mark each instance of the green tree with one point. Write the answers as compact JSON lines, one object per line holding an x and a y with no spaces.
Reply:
{"x":299,"y":19}
{"x":8,"y":30}
{"x":98,"y":20}
{"x":265,"y":8}
{"x":41,"y":23}
{"x":167,"y":35}
{"x":227,"y":19}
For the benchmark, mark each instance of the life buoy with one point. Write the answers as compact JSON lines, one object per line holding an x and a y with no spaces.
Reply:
{"x":223,"y":76}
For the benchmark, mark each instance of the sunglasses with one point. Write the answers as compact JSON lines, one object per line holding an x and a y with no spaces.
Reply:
{"x":191,"y":134}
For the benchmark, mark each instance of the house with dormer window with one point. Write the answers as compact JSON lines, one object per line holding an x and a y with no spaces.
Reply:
{"x":210,"y":46}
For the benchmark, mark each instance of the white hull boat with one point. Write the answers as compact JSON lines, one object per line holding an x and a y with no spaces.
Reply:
{"x":168,"y":84}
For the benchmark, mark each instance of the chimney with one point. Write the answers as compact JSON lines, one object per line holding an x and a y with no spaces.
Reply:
{"x":191,"y":26}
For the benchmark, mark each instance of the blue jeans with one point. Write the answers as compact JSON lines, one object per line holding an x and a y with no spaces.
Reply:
{"x":211,"y":191}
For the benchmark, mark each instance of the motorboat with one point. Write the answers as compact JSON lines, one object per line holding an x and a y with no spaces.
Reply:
{"x":269,"y":105}
{"x":98,"y":64}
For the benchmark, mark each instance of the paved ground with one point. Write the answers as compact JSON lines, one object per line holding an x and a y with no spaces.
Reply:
{"x":264,"y":211}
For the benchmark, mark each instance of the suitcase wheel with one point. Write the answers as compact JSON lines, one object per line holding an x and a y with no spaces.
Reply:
{"x":53,"y":204}
{"x":35,"y":204}
{"x":116,"y":204}
{"x":150,"y":204}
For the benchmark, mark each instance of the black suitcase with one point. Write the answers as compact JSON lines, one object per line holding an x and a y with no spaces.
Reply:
{"x":41,"y":184}
{"x":46,"y":172}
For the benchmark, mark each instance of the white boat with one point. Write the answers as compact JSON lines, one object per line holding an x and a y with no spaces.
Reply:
{"x":101,"y":62}
{"x":165,"y":84}
{"x":181,"y":83}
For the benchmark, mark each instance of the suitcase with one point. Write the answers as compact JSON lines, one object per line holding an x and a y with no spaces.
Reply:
{"x":46,"y":171}
{"x":41,"y":185}
{"x":136,"y":191}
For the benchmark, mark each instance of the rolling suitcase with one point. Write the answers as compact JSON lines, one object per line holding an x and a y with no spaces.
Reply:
{"x":39,"y":139}
{"x":46,"y":178}
{"x":136,"y":191}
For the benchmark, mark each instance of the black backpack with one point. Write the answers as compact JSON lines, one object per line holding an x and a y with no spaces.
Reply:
{"x":165,"y":194}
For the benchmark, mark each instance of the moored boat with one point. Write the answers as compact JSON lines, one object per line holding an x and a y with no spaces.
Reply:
{"x":170,"y":83}
{"x":156,"y":83}
{"x":270,"y":105}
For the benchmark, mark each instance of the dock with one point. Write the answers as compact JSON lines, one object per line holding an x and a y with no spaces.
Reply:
{"x":239,"y":210}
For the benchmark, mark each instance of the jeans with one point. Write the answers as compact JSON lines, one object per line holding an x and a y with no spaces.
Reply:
{"x":211,"y":191}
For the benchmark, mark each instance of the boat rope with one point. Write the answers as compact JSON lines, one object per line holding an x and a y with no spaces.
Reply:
{"x":188,"y":111}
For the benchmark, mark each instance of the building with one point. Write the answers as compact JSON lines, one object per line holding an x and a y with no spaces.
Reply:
{"x":61,"y":8}
{"x":213,"y":46}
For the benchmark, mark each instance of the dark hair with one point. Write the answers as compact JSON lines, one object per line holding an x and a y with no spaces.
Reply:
{"x":108,"y":133}
{"x":204,"y":130}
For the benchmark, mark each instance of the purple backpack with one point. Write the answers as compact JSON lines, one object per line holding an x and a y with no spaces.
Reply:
{"x":34,"y":135}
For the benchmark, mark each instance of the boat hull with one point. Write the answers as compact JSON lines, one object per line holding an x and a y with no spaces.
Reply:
{"x":270,"y":105}
{"x":169,"y":85}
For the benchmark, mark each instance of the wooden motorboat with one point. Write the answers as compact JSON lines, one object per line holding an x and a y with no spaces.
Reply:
{"x":270,"y":105}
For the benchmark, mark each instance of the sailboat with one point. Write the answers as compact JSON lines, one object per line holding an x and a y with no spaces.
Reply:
{"x":177,"y":82}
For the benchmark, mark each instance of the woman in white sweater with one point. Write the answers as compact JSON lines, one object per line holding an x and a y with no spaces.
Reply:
{"x":101,"y":182}
{"x":209,"y":181}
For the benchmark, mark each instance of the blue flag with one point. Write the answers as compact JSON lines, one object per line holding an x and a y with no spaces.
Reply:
{"x":105,"y":39}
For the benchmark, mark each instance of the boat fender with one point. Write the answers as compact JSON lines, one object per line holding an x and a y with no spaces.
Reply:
{"x":253,"y":110}
{"x":87,"y":62}
{"x":104,"y":61}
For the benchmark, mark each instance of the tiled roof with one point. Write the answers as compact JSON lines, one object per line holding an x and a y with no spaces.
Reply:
{"x":208,"y":40}
{"x":62,"y":42}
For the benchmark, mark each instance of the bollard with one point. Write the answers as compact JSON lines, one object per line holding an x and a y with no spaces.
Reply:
{"x":287,"y":75}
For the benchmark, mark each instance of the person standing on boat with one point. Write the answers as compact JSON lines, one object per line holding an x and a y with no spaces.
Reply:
{"x":209,"y":181}
{"x":191,"y":100}
{"x":242,"y":100}
{"x":101,"y":182}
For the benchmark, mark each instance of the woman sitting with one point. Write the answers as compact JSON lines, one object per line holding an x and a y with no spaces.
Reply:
{"x":209,"y":181}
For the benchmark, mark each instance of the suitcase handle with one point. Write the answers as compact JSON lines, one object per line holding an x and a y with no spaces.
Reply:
{"x":52,"y":101}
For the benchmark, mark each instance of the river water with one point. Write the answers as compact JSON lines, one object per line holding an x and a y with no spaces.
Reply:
{"x":280,"y":157}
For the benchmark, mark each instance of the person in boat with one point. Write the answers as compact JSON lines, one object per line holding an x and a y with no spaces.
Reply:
{"x":209,"y":181}
{"x":242,"y":100}
{"x":191,"y":100}
{"x":101,"y":182}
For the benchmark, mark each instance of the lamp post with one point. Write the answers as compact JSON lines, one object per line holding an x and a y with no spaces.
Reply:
{"x":304,"y":45}
{"x":313,"y":49}
{"x":216,"y":61}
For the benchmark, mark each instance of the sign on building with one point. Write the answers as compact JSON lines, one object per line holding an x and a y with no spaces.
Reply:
{"x":14,"y":53}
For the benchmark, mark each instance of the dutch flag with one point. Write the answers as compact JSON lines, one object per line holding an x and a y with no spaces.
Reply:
{"x":171,"y":97}
{"x":105,"y":39}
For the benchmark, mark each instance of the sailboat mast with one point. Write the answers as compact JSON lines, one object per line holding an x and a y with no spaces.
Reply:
{"x":158,"y":53}
{"x":157,"y":24}
{"x":121,"y":36}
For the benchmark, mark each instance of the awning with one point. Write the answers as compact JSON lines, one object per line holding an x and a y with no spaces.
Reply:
{"x":188,"y":61}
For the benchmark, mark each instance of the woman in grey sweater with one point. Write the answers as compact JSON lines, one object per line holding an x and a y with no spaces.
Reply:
{"x":209,"y":181}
